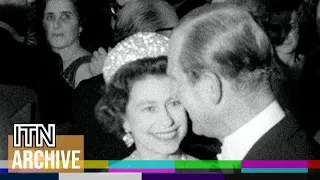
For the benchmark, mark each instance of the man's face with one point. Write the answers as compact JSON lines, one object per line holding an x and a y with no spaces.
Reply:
{"x":190,"y":94}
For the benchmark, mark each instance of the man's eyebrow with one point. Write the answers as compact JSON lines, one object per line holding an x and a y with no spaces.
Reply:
{"x":67,"y":12}
{"x":48,"y":13}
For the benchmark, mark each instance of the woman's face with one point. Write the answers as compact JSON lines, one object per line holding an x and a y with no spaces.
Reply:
{"x":61,"y":23}
{"x":155,"y":117}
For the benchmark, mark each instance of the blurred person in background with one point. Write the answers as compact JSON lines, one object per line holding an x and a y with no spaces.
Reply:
{"x":29,"y":83}
{"x":311,"y":75}
{"x":62,"y":26}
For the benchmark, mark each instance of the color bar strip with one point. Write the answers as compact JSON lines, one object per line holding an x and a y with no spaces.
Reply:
{"x":96,"y":164}
{"x":275,"y":164}
{"x":100,"y":176}
{"x":274,"y":170}
{"x":29,"y":176}
{"x":183,"y":176}
{"x":3,"y":170}
{"x":314,"y":164}
{"x":143,"y":164}
{"x":207,"y":164}
{"x":201,"y":170}
{"x":136,"y":170}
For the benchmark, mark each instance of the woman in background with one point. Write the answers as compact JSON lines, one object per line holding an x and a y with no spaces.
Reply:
{"x":139,"y":105}
{"x":61,"y":21}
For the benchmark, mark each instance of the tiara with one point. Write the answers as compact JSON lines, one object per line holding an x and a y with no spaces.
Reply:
{"x":137,"y":46}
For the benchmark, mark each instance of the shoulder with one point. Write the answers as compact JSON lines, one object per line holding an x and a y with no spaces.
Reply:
{"x":82,"y":73}
{"x":189,"y":157}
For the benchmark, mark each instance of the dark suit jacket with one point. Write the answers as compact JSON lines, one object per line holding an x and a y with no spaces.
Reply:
{"x":285,"y":141}
{"x":15,"y":68}
{"x":17,"y":105}
{"x":36,"y":69}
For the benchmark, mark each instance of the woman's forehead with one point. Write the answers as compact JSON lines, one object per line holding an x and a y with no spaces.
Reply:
{"x":155,"y":88}
{"x":59,"y":6}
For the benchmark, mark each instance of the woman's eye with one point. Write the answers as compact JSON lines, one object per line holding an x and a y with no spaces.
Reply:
{"x":49,"y":17}
{"x":175,"y":103}
{"x":149,"y":109}
{"x":65,"y":16}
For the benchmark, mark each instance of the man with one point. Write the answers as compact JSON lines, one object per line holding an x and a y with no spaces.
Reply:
{"x":220,"y":60}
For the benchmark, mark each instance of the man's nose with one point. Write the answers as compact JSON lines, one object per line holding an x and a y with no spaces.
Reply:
{"x":57,"y":23}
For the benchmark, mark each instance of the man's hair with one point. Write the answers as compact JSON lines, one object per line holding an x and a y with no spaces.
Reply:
{"x":225,"y":39}
{"x":144,"y":16}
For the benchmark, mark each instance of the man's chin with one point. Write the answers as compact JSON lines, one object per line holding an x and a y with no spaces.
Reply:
{"x":197,"y":129}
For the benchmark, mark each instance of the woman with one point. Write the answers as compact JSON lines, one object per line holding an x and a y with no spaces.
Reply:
{"x":61,"y":22}
{"x":89,"y":92}
{"x":138,"y":104}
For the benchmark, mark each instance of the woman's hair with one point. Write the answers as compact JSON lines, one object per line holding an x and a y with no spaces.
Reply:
{"x":142,"y":16}
{"x":74,"y":3}
{"x":112,"y":106}
{"x":277,"y":23}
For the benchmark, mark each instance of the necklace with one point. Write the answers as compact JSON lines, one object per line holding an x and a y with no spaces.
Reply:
{"x":134,"y":156}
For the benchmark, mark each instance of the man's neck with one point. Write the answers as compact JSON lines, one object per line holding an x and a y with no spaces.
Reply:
{"x":247,"y":109}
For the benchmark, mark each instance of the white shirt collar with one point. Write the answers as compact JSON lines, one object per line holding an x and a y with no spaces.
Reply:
{"x":237,"y":145}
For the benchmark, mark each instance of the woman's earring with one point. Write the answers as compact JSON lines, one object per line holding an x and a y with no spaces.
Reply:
{"x":128,"y":139}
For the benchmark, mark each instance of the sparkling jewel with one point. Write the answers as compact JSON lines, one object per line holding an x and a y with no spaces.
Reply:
{"x":137,"y":46}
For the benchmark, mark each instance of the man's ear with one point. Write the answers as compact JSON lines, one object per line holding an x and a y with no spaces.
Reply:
{"x":210,"y":87}
{"x":289,"y":44}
